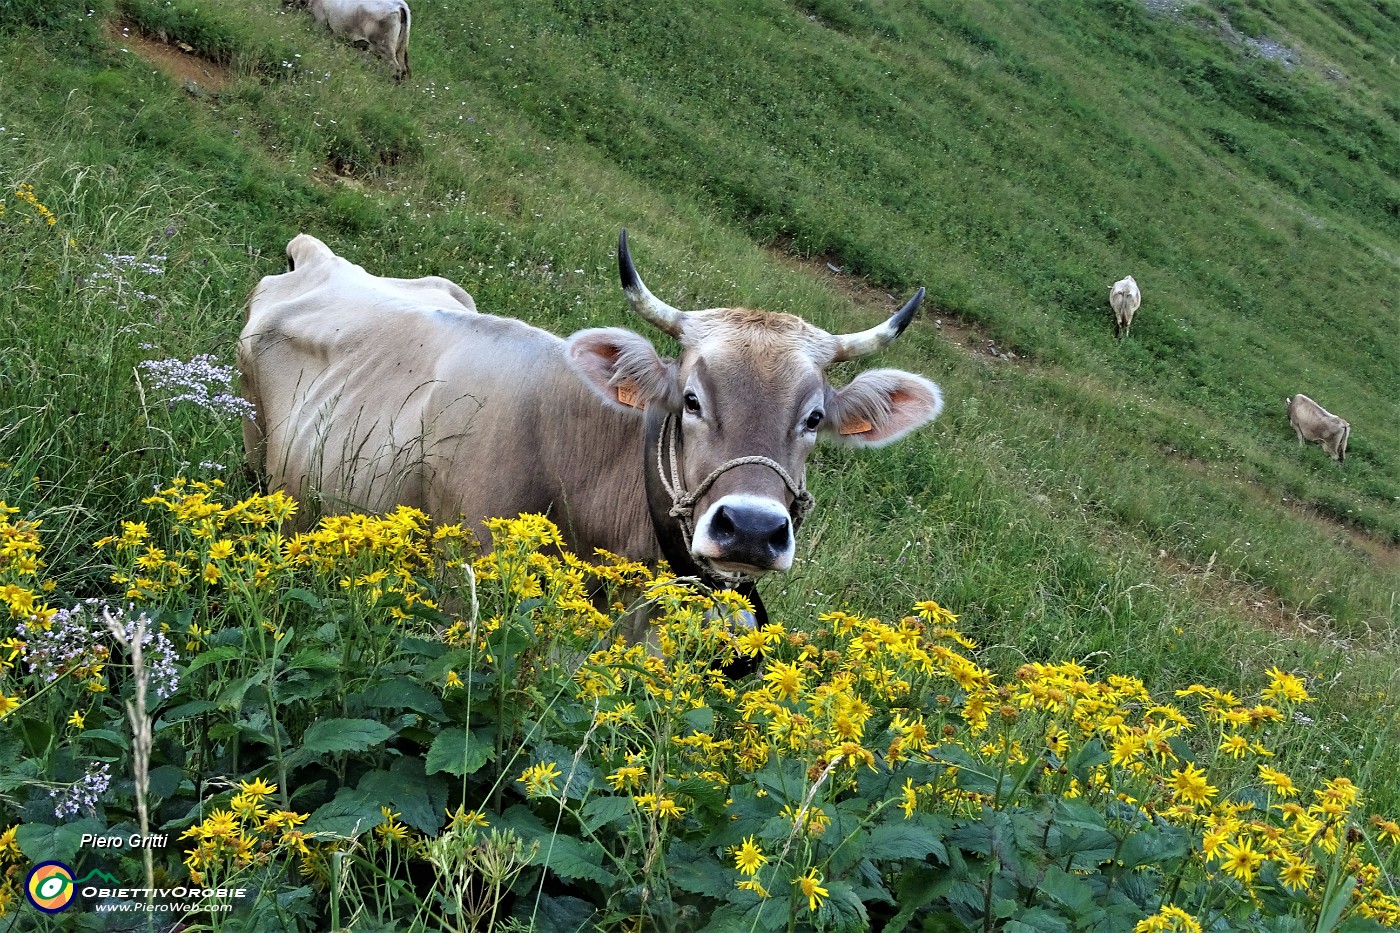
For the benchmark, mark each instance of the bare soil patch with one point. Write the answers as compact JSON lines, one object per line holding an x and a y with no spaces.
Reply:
{"x":177,"y":60}
{"x":1251,"y":601}
{"x":1382,"y":552}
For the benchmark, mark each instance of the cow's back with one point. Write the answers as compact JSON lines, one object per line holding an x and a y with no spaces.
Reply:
{"x":1124,"y":296}
{"x":1313,"y":423}
{"x":368,"y":396}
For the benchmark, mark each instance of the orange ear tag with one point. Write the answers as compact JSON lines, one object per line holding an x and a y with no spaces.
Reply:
{"x":627,"y":394}
{"x":860,"y":427}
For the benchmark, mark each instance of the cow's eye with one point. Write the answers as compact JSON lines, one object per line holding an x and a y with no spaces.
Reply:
{"x":814,"y":420}
{"x":692,"y":403}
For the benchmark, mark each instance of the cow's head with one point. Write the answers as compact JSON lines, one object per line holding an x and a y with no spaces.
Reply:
{"x":750,"y":386}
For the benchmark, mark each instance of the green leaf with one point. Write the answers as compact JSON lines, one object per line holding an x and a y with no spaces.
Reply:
{"x":566,"y":914}
{"x":1152,"y":846}
{"x":1089,"y":755}
{"x":1068,"y":890}
{"x":566,"y":856}
{"x":303,"y":596}
{"x":117,"y":739}
{"x":344,"y":735}
{"x":350,"y":814}
{"x":699,"y":719}
{"x":918,"y":886}
{"x":313,"y":659}
{"x":1333,"y":907}
{"x":843,"y":910}
{"x":405,"y":788}
{"x":165,"y":780}
{"x":231,"y":697}
{"x":702,"y":791}
{"x":509,"y":640}
{"x":734,"y":918}
{"x":1037,"y":920}
{"x":459,"y":752}
{"x":600,"y":811}
{"x":905,"y":840}
{"x":187,"y":711}
{"x":213,"y":656}
{"x":37,"y":735}
{"x":975,"y":838}
{"x":42,"y":843}
{"x":400,"y":693}
{"x":698,"y":872}
{"x":574,"y":860}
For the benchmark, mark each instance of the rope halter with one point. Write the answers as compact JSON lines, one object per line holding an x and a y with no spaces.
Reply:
{"x":683,"y":503}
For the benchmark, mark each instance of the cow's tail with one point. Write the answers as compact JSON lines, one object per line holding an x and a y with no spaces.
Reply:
{"x":405,"y":22}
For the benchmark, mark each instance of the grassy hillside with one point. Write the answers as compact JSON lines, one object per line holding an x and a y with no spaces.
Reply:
{"x":1140,"y":503}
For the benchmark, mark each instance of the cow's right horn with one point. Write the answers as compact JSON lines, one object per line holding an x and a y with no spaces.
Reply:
{"x":854,"y":346}
{"x":658,"y":312}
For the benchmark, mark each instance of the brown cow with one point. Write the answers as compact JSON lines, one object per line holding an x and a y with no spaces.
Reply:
{"x":383,"y":25}
{"x":1124,"y":298}
{"x":1313,"y":423}
{"x":371,"y":392}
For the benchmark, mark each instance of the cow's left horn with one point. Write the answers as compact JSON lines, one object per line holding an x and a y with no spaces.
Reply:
{"x":853,"y":346}
{"x":658,"y":312}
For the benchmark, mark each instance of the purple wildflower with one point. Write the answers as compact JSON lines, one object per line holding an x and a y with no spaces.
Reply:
{"x":84,"y":793}
{"x":116,"y":269}
{"x":159,"y":653}
{"x":76,"y":639}
{"x":201,"y":382}
{"x":69,"y":642}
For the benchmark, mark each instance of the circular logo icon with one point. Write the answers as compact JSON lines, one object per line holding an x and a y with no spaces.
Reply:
{"x":49,"y":886}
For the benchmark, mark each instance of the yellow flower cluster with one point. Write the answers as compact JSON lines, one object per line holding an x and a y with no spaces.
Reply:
{"x":20,"y":564}
{"x":860,"y":693}
{"x":20,"y":589}
{"x":12,"y":864}
{"x":247,"y":833}
{"x":528,"y":564}
{"x":393,"y":833}
{"x":25,"y":193}
{"x":246,"y":546}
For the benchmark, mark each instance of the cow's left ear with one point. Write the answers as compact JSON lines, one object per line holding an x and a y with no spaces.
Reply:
{"x":623,"y":367}
{"x":882,"y":405}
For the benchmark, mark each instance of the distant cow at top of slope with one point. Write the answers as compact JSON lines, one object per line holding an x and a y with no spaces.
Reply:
{"x":1313,"y":423}
{"x":1125,"y":298}
{"x":381,"y":24}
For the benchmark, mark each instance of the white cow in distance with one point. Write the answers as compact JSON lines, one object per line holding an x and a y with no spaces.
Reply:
{"x":1315,"y":424}
{"x":381,"y":24}
{"x":1124,"y":297}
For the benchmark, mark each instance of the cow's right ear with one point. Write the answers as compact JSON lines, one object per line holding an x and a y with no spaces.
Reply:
{"x":623,"y":368}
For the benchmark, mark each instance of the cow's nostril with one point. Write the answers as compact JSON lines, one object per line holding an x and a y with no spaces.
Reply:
{"x":722,"y":523}
{"x":779,"y":539}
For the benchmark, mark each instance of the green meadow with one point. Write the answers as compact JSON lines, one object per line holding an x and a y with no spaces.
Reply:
{"x":1138,"y":505}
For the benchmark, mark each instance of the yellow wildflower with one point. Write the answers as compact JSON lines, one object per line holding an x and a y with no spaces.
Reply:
{"x":812,"y":889}
{"x":1241,"y":859}
{"x":749,"y":857}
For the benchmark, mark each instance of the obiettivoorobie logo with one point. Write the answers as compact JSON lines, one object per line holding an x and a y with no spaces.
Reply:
{"x":50,"y":886}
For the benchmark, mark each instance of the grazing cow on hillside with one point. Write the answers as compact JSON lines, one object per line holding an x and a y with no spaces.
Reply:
{"x":371,"y":392}
{"x":383,"y":25}
{"x":1124,"y":298}
{"x":1311,"y":422}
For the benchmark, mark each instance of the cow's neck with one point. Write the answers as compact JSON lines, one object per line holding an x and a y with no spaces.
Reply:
{"x":670,"y":534}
